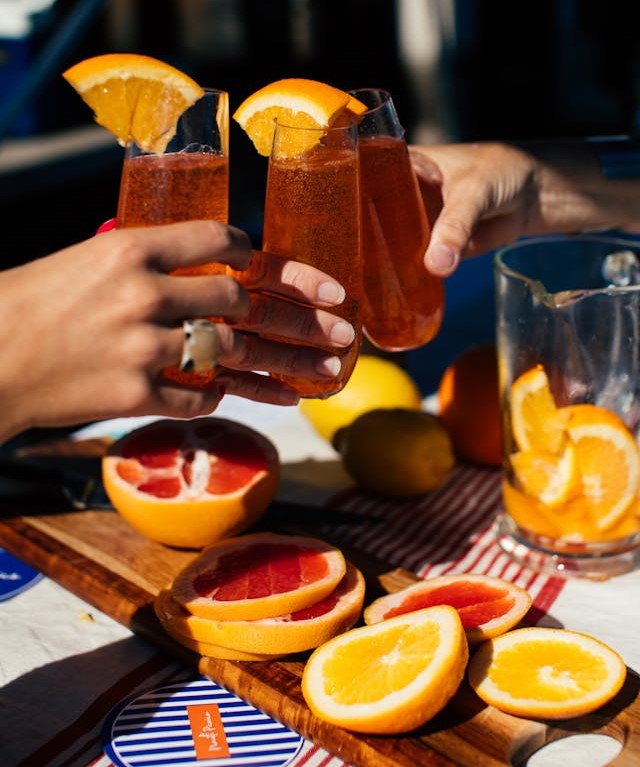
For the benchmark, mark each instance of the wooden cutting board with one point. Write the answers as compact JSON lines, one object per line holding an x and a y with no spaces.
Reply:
{"x":97,"y":556}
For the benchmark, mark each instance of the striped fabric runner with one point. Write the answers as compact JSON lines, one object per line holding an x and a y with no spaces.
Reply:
{"x":447,"y":531}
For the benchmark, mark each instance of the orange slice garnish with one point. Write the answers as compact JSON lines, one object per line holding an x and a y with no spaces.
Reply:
{"x":546,"y":673}
{"x":296,"y":102}
{"x":137,"y":98}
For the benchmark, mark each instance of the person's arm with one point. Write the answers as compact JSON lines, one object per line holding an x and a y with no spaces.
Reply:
{"x":86,"y":332}
{"x":481,"y":196}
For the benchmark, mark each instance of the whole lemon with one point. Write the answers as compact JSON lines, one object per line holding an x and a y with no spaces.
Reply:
{"x":396,"y":452}
{"x":376,"y":382}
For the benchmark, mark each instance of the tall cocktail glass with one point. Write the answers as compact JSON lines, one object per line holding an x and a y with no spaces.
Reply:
{"x":312,"y":215}
{"x":568,"y":341}
{"x":403,"y":303}
{"x":190,"y":180}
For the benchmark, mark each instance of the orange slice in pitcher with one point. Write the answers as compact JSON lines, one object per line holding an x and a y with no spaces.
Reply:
{"x":297,"y":102}
{"x":608,"y":461}
{"x":137,"y":98}
{"x":550,"y":478}
{"x":536,"y":422}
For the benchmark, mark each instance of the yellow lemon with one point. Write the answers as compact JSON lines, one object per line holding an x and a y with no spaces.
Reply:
{"x":375,"y":383}
{"x":396,"y":452}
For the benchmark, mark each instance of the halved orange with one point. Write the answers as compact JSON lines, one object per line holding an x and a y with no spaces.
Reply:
{"x":298,"y":103}
{"x":137,"y":98}
{"x":546,"y":673}
{"x":389,"y":677}
{"x":536,"y":422}
{"x":487,"y":606}
{"x":191,"y":483}
{"x":297,"y":631}
{"x":258,"y":576}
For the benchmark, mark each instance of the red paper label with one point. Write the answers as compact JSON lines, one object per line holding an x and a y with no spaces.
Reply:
{"x":207,"y":731}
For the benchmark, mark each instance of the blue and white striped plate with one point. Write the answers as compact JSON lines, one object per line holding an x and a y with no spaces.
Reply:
{"x":15,"y":576}
{"x":195,"y":724}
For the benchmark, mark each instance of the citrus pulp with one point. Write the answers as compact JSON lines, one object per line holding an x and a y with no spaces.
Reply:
{"x":258,"y":576}
{"x":487,"y":606}
{"x":547,"y":673}
{"x":190,"y":483}
{"x":390,"y":677}
{"x":297,"y":103}
{"x":135,"y":97}
{"x":296,"y":631}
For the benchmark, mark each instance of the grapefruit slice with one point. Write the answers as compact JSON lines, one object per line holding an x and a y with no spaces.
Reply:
{"x":171,"y":617}
{"x":191,"y":483}
{"x":546,"y":673}
{"x":258,"y":576}
{"x":390,"y":677}
{"x":487,"y":606}
{"x":284,"y":634}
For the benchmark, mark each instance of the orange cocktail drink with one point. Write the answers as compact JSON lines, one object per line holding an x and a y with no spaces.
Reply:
{"x":312,"y":215}
{"x":403,"y":303}
{"x":188,"y":181}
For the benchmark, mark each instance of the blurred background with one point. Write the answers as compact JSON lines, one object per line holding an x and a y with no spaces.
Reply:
{"x":459,"y":70}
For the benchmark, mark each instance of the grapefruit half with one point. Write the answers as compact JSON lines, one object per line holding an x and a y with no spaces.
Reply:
{"x":191,"y":483}
{"x":258,"y":576}
{"x":487,"y":606}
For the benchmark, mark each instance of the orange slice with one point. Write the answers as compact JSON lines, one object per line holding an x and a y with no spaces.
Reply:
{"x":550,"y":478}
{"x":608,"y":460}
{"x":296,"y":102}
{"x":389,"y":677}
{"x":536,"y":422}
{"x":546,"y":673}
{"x":284,"y":634}
{"x":487,"y":606}
{"x":191,"y":483}
{"x":258,"y":576}
{"x":135,"y":97}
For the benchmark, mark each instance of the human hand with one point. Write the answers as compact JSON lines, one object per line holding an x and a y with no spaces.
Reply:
{"x":89,"y":329}
{"x":478,"y":197}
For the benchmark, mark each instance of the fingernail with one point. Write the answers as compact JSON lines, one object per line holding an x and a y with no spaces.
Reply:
{"x":329,"y":366}
{"x":441,"y":256}
{"x":331,"y":293}
{"x":288,"y":397}
{"x":342,"y":333}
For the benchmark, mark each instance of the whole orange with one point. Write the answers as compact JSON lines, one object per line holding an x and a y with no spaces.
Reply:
{"x":469,"y":405}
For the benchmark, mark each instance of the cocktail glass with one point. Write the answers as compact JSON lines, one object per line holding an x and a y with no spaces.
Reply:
{"x":568,"y":310}
{"x":190,"y":180}
{"x":403,"y":303}
{"x":312,"y":215}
